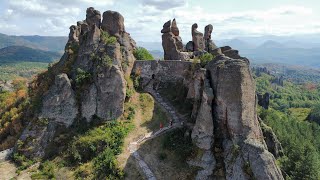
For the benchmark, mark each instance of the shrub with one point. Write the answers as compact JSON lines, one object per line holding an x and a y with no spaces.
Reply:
{"x":87,"y":146}
{"x":46,"y":171}
{"x":142,"y":54}
{"x":82,"y":77}
{"x":106,"y":60}
{"x":105,"y":166}
{"x":205,"y":59}
{"x":107,"y":39}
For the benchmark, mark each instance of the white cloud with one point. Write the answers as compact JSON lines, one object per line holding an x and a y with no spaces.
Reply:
{"x":164,"y":4}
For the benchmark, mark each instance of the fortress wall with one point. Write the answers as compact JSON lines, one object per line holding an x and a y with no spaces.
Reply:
{"x":164,"y":71}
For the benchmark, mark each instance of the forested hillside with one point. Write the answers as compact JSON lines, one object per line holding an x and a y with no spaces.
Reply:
{"x":21,"y":53}
{"x":290,"y":106}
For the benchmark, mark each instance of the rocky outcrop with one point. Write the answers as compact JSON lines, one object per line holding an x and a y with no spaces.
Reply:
{"x":113,"y":23}
{"x":202,"y":133}
{"x":59,"y":104}
{"x":210,"y":46}
{"x":273,"y":144}
{"x":90,"y":79}
{"x":263,"y":100}
{"x":172,"y":42}
{"x":244,"y":151}
{"x":197,"y":38}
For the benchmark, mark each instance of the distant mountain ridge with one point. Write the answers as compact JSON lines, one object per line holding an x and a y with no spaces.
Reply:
{"x":47,"y":43}
{"x":22,"y":53}
{"x":293,"y":50}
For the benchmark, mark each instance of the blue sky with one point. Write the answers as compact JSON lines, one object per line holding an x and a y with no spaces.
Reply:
{"x":144,"y":18}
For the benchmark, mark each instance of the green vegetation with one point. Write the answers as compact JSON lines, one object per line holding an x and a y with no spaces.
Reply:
{"x":289,"y":108}
{"x":13,"y":107}
{"x":21,"y":161}
{"x":82,"y":77}
{"x":46,"y":171}
{"x":205,"y":59}
{"x":21,"y":53}
{"x":142,"y":54}
{"x":107,"y":39}
{"x":180,"y":144}
{"x":315,"y":114}
{"x":10,"y":71}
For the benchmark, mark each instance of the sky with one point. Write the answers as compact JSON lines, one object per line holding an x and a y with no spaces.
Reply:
{"x":144,"y":18}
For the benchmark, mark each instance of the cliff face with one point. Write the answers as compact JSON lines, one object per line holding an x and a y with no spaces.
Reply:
{"x":87,"y":83}
{"x":237,"y":141}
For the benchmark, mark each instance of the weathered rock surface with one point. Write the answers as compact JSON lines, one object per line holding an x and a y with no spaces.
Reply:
{"x":197,"y":38}
{"x":111,"y":92}
{"x":210,"y":46}
{"x":113,"y":23}
{"x":174,"y":28}
{"x":93,"y":17}
{"x":172,"y":43}
{"x":59,"y":104}
{"x":100,"y":94}
{"x":245,"y":152}
{"x":202,"y":133}
{"x":263,"y":100}
{"x":273,"y":144}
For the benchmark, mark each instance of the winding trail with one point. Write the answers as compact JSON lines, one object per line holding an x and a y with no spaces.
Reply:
{"x":176,"y":122}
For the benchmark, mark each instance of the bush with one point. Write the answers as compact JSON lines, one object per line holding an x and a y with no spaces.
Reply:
{"x":107,"y":39}
{"x":82,"y":77}
{"x":205,"y":59}
{"x":142,"y":54}
{"x":87,"y":146}
{"x":105,"y":166}
{"x":46,"y":171}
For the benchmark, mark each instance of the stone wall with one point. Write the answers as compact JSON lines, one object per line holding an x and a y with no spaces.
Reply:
{"x":164,"y":71}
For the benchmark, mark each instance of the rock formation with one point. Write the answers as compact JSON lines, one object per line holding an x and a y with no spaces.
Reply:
{"x":245,"y":154}
{"x":273,"y":144}
{"x":89,"y":80}
{"x":210,"y":46}
{"x":263,"y":100}
{"x":172,"y":42}
{"x":197,"y":38}
{"x":59,"y":103}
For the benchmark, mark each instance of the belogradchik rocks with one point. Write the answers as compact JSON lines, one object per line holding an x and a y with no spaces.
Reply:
{"x":174,"y":48}
{"x":100,"y":94}
{"x":88,"y":83}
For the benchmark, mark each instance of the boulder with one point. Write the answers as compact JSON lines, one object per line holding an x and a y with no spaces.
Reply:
{"x":59,"y":103}
{"x":189,"y":46}
{"x":113,"y":23}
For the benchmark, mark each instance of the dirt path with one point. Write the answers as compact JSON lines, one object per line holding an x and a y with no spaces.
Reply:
{"x":133,"y":146}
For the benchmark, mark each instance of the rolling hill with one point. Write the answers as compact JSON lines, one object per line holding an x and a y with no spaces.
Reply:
{"x":20,"y":53}
{"x":47,"y":43}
